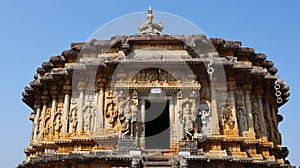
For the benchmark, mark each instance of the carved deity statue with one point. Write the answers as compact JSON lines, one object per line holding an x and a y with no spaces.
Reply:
{"x":111,"y":113}
{"x":188,"y":127}
{"x":89,"y":117}
{"x":242,"y":120}
{"x":125,"y":125}
{"x":57,"y":125}
{"x":228,"y":120}
{"x":47,"y":127}
{"x":73,"y":120}
{"x":125,"y":116}
{"x":203,"y":118}
{"x":188,"y":121}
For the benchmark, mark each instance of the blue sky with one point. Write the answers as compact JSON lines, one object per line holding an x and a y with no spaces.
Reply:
{"x":32,"y":31}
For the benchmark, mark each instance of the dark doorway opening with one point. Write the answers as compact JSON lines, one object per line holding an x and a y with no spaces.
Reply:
{"x":157,"y":125}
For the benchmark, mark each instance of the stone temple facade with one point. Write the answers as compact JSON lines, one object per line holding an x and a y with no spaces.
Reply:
{"x":156,"y":100}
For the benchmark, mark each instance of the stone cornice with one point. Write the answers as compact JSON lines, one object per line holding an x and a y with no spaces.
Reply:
{"x":232,"y":54}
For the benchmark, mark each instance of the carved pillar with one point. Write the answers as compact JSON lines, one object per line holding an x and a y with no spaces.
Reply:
{"x":135,"y":109}
{"x":66,"y":107}
{"x":36,"y":123}
{"x":43,"y":114}
{"x":231,"y":99}
{"x":172,"y":112}
{"x":80,"y":106}
{"x":177,"y":108}
{"x":214,"y":109}
{"x":268,"y":115}
{"x":247,"y":91}
{"x":143,"y":111}
{"x":259,"y":94}
{"x":179,"y":116}
{"x":100,"y":116}
{"x":54,"y":94}
{"x":142,"y":133}
{"x":274,"y":122}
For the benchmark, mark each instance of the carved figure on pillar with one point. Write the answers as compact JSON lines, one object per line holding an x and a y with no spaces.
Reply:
{"x":111,"y":114}
{"x":125,"y":125}
{"x":73,"y":120}
{"x":188,"y":121}
{"x":228,"y":120}
{"x":89,"y":113}
{"x":57,"y":124}
{"x":240,"y":99}
{"x":134,"y":108}
{"x":73,"y":117}
{"x":39,"y":123}
{"x":203,"y":119}
{"x":47,"y":128}
{"x":125,"y":116}
{"x":188,"y":127}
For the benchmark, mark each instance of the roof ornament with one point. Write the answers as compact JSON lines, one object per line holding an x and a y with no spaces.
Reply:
{"x":150,"y":27}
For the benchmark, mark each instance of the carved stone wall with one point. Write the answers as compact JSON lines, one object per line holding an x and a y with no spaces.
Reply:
{"x":211,"y":123}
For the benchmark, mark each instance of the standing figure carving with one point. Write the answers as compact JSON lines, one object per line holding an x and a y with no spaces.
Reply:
{"x":47,"y":128}
{"x":228,"y":120}
{"x":240,"y":99}
{"x":57,"y":125}
{"x":125,"y":115}
{"x":89,"y":113}
{"x":47,"y":125}
{"x":188,"y":121}
{"x":73,"y":120}
{"x":111,"y":114}
{"x":204,"y":119}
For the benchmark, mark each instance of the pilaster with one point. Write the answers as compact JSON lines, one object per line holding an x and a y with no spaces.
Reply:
{"x":66,"y":107}
{"x":54,"y":94}
{"x":45,"y":100}
{"x":36,"y":123}
{"x":247,"y":91}
{"x":259,"y":95}
{"x":268,"y":114}
{"x":214,"y":109}
{"x":81,"y":86}
{"x":231,"y":88}
{"x":100,"y":117}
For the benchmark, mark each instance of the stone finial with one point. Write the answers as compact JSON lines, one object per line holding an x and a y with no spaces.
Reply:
{"x":150,"y":15}
{"x":150,"y":27}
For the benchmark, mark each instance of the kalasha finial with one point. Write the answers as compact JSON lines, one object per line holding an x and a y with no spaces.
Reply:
{"x":150,"y":27}
{"x":150,"y":15}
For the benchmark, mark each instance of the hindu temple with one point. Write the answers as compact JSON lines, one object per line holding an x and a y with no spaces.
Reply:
{"x":156,"y":100}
